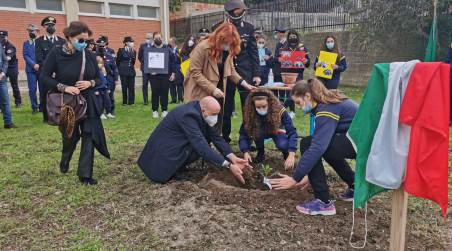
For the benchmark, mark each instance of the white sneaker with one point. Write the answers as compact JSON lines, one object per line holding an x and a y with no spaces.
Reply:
{"x":110,"y":116}
{"x":103,"y":116}
{"x":291,"y":115}
{"x":155,"y":115}
{"x":164,"y":113}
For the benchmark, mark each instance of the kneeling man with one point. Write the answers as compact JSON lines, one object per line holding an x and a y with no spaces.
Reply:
{"x":182,"y":138}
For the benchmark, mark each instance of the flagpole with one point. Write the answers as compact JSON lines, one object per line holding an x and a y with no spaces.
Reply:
{"x":398,"y":219}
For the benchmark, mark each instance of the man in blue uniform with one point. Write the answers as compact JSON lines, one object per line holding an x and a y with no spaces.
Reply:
{"x":43,"y":45}
{"x":31,"y":67}
{"x":110,"y":67}
{"x":246,"y":63}
{"x":13,"y":70}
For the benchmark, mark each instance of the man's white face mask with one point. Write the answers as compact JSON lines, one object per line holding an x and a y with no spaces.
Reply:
{"x":211,"y":120}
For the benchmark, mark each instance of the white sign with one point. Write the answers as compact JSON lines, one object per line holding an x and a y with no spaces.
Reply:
{"x":156,"y":60}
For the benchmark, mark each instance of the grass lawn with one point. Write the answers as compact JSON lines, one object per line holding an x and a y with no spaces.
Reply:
{"x":42,"y":209}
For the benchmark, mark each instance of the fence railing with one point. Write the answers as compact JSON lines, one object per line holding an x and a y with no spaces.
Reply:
{"x":302,"y":15}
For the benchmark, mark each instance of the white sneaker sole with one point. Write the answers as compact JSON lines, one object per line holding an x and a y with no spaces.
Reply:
{"x":325,"y":213}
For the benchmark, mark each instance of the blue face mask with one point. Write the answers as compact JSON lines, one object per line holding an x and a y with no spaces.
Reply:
{"x":330,"y":45}
{"x":307,"y":108}
{"x":79,"y":46}
{"x":262,"y":112}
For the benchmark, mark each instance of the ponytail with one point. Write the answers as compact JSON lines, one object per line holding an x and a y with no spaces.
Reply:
{"x":318,"y":91}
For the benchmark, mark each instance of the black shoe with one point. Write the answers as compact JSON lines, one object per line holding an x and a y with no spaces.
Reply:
{"x":64,"y":168}
{"x":18,"y":105}
{"x":88,"y":181}
{"x":260,"y":157}
{"x":34,"y":112}
{"x":10,"y":126}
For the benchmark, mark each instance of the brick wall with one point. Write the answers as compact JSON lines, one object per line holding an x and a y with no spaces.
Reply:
{"x":194,"y":8}
{"x":16,"y":22}
{"x":116,"y":29}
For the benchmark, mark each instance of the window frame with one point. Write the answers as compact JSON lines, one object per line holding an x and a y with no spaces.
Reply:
{"x":26,"y":9}
{"x":63,"y":8}
{"x":131,"y":8}
{"x":103,"y":9}
{"x":157,"y":18}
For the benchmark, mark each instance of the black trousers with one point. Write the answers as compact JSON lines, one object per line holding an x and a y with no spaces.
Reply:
{"x":177,"y":89}
{"x":15,"y":86}
{"x":160,"y":88}
{"x":128,"y":90}
{"x":112,"y":88}
{"x":86,"y":160}
{"x":228,"y":109}
{"x":338,"y":151}
{"x":42,"y":98}
{"x":146,"y":83}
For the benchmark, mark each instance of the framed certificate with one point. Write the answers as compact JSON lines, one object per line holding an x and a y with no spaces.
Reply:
{"x":156,"y":60}
{"x":292,"y":59}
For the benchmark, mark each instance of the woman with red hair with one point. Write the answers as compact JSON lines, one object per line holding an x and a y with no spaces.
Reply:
{"x":212,"y":64}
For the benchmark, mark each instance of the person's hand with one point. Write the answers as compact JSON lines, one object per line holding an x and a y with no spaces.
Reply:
{"x":285,"y":182}
{"x":8,"y":58}
{"x":266,"y":57}
{"x":304,"y":60}
{"x":334,"y":66}
{"x":116,"y":82}
{"x":290,"y":161}
{"x":218,"y":93}
{"x":172,"y":77}
{"x":36,"y":67}
{"x":257,"y":80}
{"x":247,"y":157}
{"x":317,"y":64}
{"x":71,"y":90}
{"x":248,"y":86}
{"x":83,"y":85}
{"x":303,"y":184}
{"x":236,"y":160}
{"x":237,"y":172}
{"x":2,"y":75}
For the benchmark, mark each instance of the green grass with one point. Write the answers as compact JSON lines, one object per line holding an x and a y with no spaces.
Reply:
{"x":41,"y":209}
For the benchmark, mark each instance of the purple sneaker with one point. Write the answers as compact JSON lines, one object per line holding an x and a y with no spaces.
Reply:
{"x":317,"y":207}
{"x":348,"y":195}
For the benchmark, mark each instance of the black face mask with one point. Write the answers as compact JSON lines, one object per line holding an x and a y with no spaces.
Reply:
{"x":101,"y":51}
{"x":51,"y":29}
{"x":293,"y":41}
{"x":32,"y":35}
{"x":158,"y":42}
{"x":236,"y":19}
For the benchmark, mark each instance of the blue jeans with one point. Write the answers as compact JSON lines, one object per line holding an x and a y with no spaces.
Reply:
{"x":4,"y":103}
{"x":281,"y":142}
{"x":32,"y":79}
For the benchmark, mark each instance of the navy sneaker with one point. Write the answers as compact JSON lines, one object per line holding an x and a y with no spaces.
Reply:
{"x":348,"y":195}
{"x":317,"y":207}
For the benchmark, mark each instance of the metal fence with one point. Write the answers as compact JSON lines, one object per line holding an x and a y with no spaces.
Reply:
{"x":302,"y":15}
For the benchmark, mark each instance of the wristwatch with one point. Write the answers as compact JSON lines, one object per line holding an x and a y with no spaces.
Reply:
{"x":93,"y":83}
{"x":226,"y":164}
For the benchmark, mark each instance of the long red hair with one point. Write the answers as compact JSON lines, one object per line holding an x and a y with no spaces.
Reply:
{"x":226,"y":33}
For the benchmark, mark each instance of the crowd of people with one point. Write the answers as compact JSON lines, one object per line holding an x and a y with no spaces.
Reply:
{"x":204,"y":74}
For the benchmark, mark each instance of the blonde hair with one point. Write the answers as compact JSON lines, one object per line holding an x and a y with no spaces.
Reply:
{"x":318,"y":91}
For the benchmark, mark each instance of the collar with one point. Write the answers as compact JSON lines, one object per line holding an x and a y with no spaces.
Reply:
{"x":282,"y":41}
{"x":31,"y":41}
{"x":46,"y":37}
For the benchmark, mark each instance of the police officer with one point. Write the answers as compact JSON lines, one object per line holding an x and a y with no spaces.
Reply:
{"x":202,"y":33}
{"x":280,"y":36}
{"x":13,"y":70}
{"x":43,"y":46}
{"x":246,"y":63}
{"x":126,"y":67}
{"x":31,"y":67}
{"x":110,"y":67}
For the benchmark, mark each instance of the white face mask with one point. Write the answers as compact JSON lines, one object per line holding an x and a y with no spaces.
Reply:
{"x":260,"y":46}
{"x":226,"y":47}
{"x":262,"y":112}
{"x":330,"y":45}
{"x":148,"y":41}
{"x":191,"y":43}
{"x":211,"y":120}
{"x":130,"y":44}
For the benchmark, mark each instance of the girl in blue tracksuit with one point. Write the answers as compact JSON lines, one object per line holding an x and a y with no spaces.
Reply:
{"x":265,"y":118}
{"x":265,"y":58}
{"x":102,"y":91}
{"x":333,"y":115}
{"x":330,"y":44}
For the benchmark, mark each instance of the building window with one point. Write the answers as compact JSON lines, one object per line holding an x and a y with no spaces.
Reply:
{"x":52,"y":5}
{"x":120,"y":9}
{"x":147,"y":12}
{"x":90,"y":7}
{"x":13,"y":4}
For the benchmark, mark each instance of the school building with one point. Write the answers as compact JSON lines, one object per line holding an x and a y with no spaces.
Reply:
{"x":113,"y":18}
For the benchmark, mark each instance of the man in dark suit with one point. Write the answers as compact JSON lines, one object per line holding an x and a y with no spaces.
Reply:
{"x":182,"y":138}
{"x":280,"y":36}
{"x":43,"y":46}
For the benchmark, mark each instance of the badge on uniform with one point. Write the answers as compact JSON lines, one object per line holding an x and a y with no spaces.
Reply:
{"x":9,"y":51}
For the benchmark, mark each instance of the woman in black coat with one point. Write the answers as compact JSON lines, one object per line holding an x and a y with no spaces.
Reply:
{"x":125,"y":61}
{"x":61,"y":72}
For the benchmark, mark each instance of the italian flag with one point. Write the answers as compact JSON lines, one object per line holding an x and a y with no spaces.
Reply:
{"x":401,"y":132}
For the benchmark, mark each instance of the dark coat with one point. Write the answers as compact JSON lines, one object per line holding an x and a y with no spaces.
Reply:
{"x":125,"y":60}
{"x":175,"y":138}
{"x":13,"y":63}
{"x":43,"y":47}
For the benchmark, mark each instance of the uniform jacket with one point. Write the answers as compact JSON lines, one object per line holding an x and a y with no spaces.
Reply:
{"x":10,"y":51}
{"x":43,"y":47}
{"x":179,"y":134}
{"x":29,"y":54}
{"x":203,"y":76}
{"x":125,"y":60}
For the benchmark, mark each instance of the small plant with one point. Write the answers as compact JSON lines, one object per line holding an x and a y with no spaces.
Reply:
{"x":266,"y":170}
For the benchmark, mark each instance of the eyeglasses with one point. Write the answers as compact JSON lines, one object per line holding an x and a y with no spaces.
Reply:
{"x":82,"y":40}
